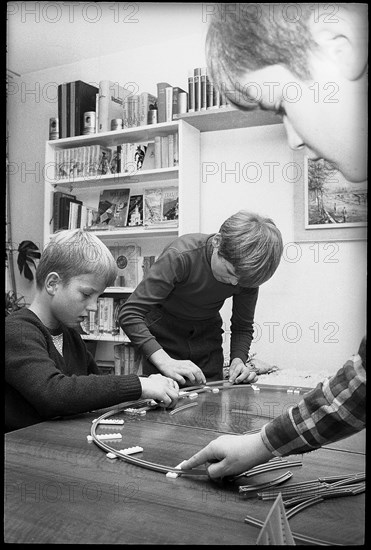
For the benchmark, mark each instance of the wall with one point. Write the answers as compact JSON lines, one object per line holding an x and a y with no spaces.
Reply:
{"x":311,"y":314}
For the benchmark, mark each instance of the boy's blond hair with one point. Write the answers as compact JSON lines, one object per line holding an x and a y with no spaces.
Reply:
{"x":75,"y":252}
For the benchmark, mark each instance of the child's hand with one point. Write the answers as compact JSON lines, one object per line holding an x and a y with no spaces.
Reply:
{"x":179,"y":370}
{"x":161,"y":388}
{"x":230,"y":455}
{"x":239,"y":372}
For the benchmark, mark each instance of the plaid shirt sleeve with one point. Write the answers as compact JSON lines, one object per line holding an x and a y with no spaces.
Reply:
{"x":335,"y":409}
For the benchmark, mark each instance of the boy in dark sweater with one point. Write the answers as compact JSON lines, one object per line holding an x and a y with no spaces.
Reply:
{"x":173,"y":314}
{"x":48,"y":370}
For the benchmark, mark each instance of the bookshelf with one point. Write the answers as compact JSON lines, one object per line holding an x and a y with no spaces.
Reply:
{"x":186,"y":177}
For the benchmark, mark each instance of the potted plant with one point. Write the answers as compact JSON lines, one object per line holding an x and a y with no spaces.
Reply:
{"x":28,"y":252}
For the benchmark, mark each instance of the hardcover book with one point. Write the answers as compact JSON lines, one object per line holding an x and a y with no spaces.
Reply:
{"x":111,"y":103}
{"x":82,"y":99}
{"x":161,"y":101}
{"x":147,"y":101}
{"x":179,"y":101}
{"x":170,"y":204}
{"x":113,"y":208}
{"x":149,"y":158}
{"x":135,"y":212}
{"x":58,"y":195}
{"x":62,"y":109}
{"x":152,"y":206}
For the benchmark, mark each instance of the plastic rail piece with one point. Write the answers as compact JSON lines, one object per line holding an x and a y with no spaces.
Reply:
{"x":178,"y":409}
{"x":110,"y":421}
{"x":133,"y":459}
{"x":269,"y":466}
{"x":253,"y":488}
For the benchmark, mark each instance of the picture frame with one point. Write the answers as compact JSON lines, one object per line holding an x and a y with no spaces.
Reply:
{"x":327,"y":207}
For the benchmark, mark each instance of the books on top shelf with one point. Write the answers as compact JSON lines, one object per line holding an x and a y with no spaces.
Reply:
{"x":203,"y":95}
{"x":111,"y":102}
{"x":161,"y":100}
{"x":74,"y":99}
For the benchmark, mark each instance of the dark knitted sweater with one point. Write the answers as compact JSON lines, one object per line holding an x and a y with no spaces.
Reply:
{"x":40,"y":384}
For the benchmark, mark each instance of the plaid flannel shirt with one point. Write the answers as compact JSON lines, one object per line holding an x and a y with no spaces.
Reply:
{"x":335,"y":409}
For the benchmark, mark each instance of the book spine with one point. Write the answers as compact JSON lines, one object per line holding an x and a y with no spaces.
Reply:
{"x":164,"y":151}
{"x":191,"y":93}
{"x":125,"y":113}
{"x":216,"y":97}
{"x":182,"y":103}
{"x":73,"y":107}
{"x":97,"y":113}
{"x":197,"y":81}
{"x":203,"y":98}
{"x":62,"y":109}
{"x":171,"y":150}
{"x":117,"y":355}
{"x":161,"y":101}
{"x":169,"y":103}
{"x":157,"y":152}
{"x":103,"y":106}
{"x":176,"y":149}
{"x":68,"y":109}
{"x":209,"y":93}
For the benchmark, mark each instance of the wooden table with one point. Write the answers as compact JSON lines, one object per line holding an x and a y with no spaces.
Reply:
{"x":59,"y":488}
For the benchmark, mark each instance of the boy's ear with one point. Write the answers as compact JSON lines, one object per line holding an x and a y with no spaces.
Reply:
{"x":51,"y":283}
{"x":216,"y":240}
{"x":343,"y":37}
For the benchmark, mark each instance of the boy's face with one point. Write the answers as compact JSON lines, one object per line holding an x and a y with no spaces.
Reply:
{"x":72,"y":301}
{"x":223,"y":271}
{"x":326,"y":116}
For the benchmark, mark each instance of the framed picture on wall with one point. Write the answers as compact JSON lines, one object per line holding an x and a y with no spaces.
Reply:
{"x":327,"y":206}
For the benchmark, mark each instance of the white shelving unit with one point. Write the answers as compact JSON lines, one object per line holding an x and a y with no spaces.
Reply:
{"x":186,"y":176}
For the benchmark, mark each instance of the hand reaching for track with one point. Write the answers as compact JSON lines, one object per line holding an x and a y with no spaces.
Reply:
{"x":160,"y":388}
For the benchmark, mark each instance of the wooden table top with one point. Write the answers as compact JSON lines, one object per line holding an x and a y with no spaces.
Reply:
{"x":60,"y":488}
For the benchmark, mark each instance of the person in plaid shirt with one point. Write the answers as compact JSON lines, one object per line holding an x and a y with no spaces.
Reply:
{"x":245,"y":45}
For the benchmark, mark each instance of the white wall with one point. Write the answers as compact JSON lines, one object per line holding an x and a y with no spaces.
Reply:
{"x":328,"y":296}
{"x":312,"y":314}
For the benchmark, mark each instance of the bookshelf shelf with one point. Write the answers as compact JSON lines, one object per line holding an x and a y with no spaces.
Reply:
{"x":137,"y":134}
{"x":137,"y":231}
{"x":112,"y":180}
{"x":227,"y":118}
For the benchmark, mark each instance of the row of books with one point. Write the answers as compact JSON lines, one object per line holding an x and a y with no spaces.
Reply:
{"x":202,"y":94}
{"x":109,"y":100}
{"x":126,"y":158}
{"x":118,"y":208}
{"x":127,"y":359}
{"x":121,"y":208}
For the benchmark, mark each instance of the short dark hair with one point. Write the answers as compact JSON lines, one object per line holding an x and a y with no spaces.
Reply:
{"x":254,"y":36}
{"x":252,"y":244}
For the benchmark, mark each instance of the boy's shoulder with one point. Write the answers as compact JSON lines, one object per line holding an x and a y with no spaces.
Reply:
{"x":189,"y":242}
